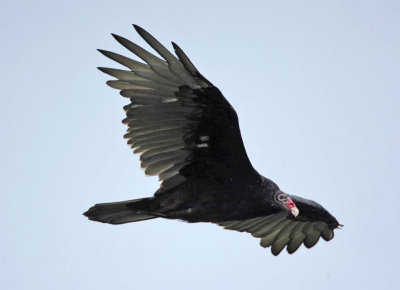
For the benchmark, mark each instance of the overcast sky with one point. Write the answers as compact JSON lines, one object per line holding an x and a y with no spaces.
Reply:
{"x":317,"y":89}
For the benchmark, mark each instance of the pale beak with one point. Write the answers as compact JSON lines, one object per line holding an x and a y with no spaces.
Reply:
{"x":295,"y":211}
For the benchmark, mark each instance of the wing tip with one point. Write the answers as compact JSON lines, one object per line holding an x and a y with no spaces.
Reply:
{"x":174,"y":45}
{"x":106,"y":53}
{"x":120,"y":39}
{"x":293,"y":250}
{"x":116,"y":36}
{"x":138,"y":28}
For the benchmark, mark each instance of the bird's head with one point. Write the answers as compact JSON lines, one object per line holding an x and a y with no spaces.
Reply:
{"x":286,"y":203}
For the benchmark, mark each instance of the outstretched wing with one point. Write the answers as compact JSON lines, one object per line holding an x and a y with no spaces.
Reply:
{"x":181,"y":124}
{"x":280,"y":230}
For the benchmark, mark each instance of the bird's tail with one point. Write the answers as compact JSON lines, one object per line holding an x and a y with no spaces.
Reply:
{"x":121,"y":212}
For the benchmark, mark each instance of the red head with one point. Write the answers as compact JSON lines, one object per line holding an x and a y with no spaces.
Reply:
{"x":285,"y":201}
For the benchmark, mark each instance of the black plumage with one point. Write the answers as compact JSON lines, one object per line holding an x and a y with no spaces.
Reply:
{"x":188,"y":134}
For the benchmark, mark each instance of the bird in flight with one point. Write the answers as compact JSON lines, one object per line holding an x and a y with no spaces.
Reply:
{"x":188,"y":135}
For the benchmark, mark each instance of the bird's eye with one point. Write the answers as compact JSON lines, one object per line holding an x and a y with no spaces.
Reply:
{"x":281,"y":197}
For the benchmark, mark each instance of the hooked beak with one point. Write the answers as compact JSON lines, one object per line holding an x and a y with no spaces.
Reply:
{"x":295,"y":211}
{"x":291,"y":206}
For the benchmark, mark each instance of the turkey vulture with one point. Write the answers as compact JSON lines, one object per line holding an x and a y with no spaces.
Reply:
{"x":188,"y":135}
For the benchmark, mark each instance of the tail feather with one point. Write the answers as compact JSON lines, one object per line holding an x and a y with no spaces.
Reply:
{"x":121,"y":212}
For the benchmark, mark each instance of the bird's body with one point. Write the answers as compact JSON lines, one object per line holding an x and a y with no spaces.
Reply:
{"x":205,"y":201}
{"x":188,"y":134}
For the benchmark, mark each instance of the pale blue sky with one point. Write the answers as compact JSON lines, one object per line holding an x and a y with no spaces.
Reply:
{"x":317,"y":89}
